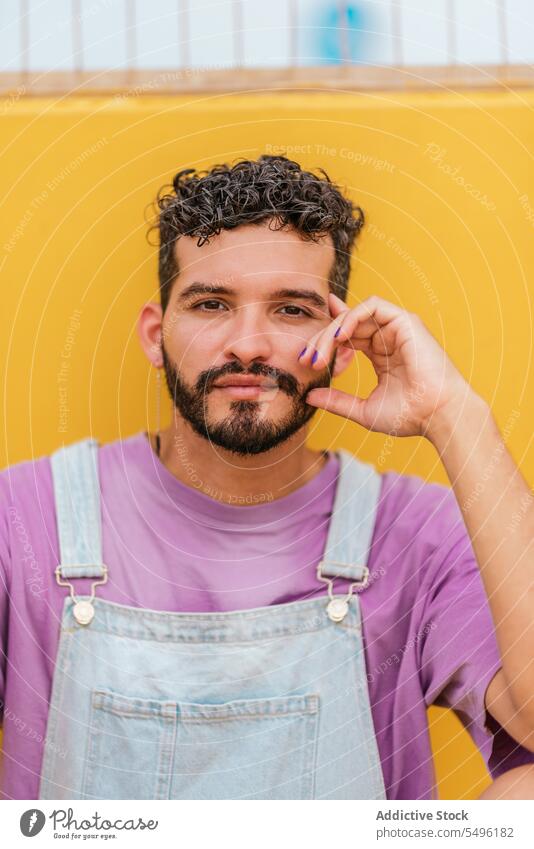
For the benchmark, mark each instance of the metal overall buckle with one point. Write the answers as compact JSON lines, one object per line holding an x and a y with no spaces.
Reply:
{"x":83,"y":611}
{"x":337,"y":608}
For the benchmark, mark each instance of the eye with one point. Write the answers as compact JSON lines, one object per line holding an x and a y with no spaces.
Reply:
{"x":301,"y":311}
{"x":212,"y":305}
{"x":203,"y":303}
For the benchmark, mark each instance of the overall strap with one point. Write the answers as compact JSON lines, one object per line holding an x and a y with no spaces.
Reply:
{"x":353,"y":518}
{"x":77,"y":496}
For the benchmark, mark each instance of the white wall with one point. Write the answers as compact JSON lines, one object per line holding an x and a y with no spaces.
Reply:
{"x":158,"y":39}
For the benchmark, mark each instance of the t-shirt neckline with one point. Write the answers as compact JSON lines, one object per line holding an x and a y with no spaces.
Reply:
{"x":194,"y":498}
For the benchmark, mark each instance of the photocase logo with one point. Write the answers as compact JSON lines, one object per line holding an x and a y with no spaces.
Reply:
{"x":31,"y":822}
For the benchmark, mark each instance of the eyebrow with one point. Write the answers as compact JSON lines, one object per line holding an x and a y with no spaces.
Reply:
{"x":206,"y":288}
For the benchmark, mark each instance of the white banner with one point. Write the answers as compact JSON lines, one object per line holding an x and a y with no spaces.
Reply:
{"x":274,"y":825}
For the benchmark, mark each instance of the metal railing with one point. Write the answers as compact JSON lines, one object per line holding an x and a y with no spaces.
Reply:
{"x":335,"y":58}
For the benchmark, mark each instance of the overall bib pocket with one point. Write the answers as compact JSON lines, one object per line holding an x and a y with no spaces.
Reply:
{"x":142,"y":748}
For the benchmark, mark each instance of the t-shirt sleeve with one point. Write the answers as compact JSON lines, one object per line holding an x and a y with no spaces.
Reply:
{"x":4,"y":589}
{"x":459,"y":654}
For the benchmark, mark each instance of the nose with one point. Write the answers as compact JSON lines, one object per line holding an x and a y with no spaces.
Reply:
{"x":247,"y":338}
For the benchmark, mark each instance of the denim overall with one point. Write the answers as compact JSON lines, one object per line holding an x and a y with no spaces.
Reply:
{"x":264,"y":703}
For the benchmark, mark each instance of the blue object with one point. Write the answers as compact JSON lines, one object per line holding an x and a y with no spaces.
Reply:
{"x":337,"y":35}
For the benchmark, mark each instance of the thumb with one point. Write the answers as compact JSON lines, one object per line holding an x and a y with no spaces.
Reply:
{"x":338,"y":402}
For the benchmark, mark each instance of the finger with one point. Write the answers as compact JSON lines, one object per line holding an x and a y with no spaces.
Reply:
{"x":356,"y":344}
{"x":323,"y":346}
{"x":307,"y":354}
{"x":326,"y":342}
{"x":319,"y":349}
{"x":338,"y":402}
{"x":336,"y":305}
{"x":346,"y":329}
{"x":369,"y":316}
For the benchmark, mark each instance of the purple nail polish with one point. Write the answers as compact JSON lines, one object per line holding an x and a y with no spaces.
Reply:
{"x":314,"y":358}
{"x":302,"y":352}
{"x":337,"y":332}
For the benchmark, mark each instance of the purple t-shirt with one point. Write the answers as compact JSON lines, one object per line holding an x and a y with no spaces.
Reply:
{"x":428,"y":631}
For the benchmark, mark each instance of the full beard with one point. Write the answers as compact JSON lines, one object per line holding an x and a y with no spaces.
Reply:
{"x":244,"y":430}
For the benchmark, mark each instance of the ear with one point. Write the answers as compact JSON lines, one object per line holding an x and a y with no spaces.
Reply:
{"x":344,"y":357}
{"x":149,"y":330}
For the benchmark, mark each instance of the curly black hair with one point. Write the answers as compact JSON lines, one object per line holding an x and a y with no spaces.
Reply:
{"x":271,"y":188}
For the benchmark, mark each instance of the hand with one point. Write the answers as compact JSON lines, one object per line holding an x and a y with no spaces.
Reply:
{"x":418,"y":385}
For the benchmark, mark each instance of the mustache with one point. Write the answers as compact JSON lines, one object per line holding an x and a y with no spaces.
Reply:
{"x":286,"y":382}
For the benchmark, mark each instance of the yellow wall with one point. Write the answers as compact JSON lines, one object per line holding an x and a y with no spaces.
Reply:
{"x":78,"y":175}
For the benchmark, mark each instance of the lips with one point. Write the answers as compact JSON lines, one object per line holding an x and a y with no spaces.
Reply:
{"x":247,"y":386}
{"x":244,"y":380}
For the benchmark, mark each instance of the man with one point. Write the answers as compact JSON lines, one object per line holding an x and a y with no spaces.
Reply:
{"x":264,"y":620}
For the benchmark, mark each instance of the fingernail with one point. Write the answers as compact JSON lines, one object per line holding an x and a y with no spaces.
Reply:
{"x":302,"y":352}
{"x":337,"y":332}
{"x":314,"y":358}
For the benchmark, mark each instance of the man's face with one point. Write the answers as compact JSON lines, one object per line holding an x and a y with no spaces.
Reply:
{"x":258,"y":297}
